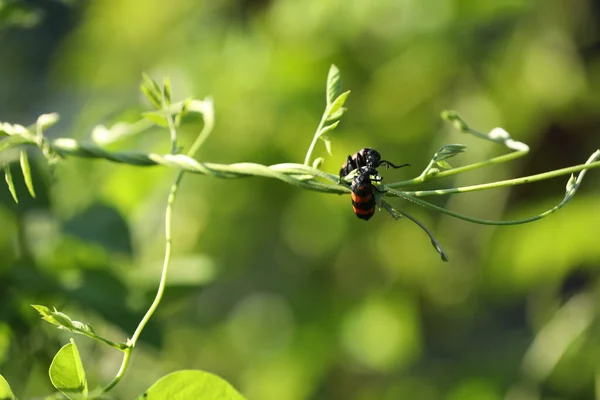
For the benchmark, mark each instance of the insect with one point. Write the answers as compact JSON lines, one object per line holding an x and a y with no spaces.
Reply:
{"x":366,"y":157}
{"x":363,"y":192}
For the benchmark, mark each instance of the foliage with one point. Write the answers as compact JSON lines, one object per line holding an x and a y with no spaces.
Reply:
{"x":282,"y":291}
{"x":67,"y":372}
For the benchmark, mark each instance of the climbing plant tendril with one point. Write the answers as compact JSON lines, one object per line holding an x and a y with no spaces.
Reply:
{"x":307,"y":175}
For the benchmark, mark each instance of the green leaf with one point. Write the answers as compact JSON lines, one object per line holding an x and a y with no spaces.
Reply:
{"x":156,"y":117}
{"x":448,"y":151}
{"x":444,"y":164}
{"x":191,"y":384}
{"x":328,"y":128}
{"x":338,"y":114}
{"x":82,"y":326}
{"x":60,"y":319}
{"x":334,"y":84}
{"x":166,"y":92}
{"x":152,"y":84}
{"x":67,"y":374}
{"x":152,"y":91}
{"x":26,"y":169}
{"x":9,"y":181}
{"x":55,"y":317}
{"x":318,"y":162}
{"x":335,"y":110}
{"x":149,"y":95}
{"x":5,"y":390}
{"x":327,"y":142}
{"x":43,"y":310}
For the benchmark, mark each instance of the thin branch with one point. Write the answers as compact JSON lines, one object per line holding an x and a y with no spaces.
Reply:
{"x":572,"y":187}
{"x":509,"y":182}
{"x":295,"y":174}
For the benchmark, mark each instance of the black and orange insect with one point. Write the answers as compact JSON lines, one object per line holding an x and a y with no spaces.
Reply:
{"x":363,"y":192}
{"x":366,"y":157}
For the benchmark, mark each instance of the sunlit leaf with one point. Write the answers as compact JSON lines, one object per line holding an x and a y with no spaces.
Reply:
{"x":26,"y":169}
{"x":67,"y":373}
{"x":318,"y":162}
{"x":5,"y":390}
{"x":167,"y":91}
{"x":43,"y":310}
{"x":152,"y":91}
{"x":82,"y":326}
{"x":338,"y":114}
{"x":9,"y":181}
{"x":444,"y":164}
{"x":336,"y":109}
{"x":156,"y":117}
{"x":334,"y":84}
{"x":327,"y":144}
{"x":153,"y":100}
{"x":328,"y":128}
{"x":60,"y":319}
{"x":191,"y":384}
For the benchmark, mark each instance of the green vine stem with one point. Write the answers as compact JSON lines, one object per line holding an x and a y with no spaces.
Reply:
{"x":300,"y":175}
{"x":572,"y":186}
{"x":315,"y":139}
{"x":512,"y":182}
{"x":296,"y":174}
{"x":208,"y":115}
{"x":303,"y":176}
{"x":497,"y":135}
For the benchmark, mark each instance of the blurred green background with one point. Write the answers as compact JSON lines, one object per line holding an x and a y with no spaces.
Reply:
{"x":284,"y":292}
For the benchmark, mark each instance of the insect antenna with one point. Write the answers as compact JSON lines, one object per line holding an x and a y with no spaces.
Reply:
{"x":389,"y":164}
